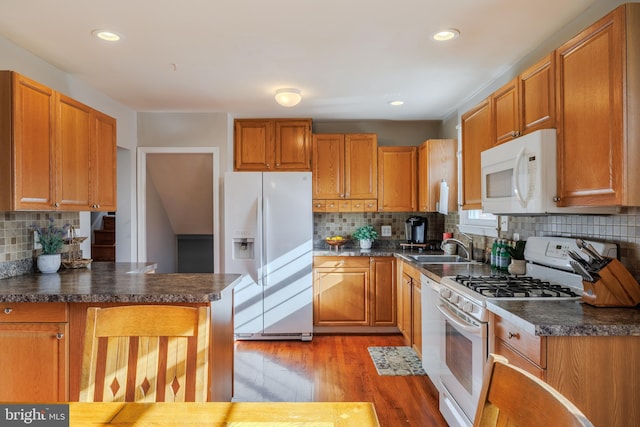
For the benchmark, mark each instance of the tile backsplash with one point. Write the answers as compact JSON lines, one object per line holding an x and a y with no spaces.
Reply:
{"x":345,"y":223}
{"x":16,"y":238}
{"x":622,"y":229}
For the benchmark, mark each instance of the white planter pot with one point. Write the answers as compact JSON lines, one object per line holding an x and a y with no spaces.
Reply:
{"x":365,"y":243}
{"x":49,"y":263}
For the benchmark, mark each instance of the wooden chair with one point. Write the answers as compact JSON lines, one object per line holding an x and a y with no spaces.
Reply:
{"x":512,"y":397}
{"x":146,"y":353}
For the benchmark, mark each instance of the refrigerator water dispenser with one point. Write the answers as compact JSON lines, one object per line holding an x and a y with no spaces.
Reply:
{"x":243,"y":248}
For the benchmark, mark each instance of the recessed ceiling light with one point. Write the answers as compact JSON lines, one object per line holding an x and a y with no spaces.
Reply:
{"x":448,"y":34}
{"x":106,"y":35}
{"x":396,"y":103}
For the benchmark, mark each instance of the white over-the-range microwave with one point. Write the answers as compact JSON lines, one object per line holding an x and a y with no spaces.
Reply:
{"x":519,"y":178}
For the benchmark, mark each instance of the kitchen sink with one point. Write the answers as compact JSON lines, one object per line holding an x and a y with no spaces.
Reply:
{"x":439,"y":259}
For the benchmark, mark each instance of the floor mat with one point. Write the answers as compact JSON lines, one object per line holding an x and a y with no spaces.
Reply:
{"x":396,"y":361}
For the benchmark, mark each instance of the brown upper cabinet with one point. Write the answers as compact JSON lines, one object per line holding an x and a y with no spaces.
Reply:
{"x":53,"y":149}
{"x":272,"y":144}
{"x":104,"y":164}
{"x":598,"y":99}
{"x":345,"y":169}
{"x":526,"y":103}
{"x":477,"y":131}
{"x":397,"y":179}
{"x":437,"y":161}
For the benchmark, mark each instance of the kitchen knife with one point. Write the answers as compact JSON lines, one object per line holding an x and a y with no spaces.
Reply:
{"x":589,"y":250}
{"x":576,"y":257}
{"x":582,"y":271}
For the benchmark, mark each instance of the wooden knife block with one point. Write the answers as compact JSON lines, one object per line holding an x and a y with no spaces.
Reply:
{"x":616,"y":287}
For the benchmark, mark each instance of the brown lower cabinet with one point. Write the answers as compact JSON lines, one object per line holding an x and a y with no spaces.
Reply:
{"x":599,"y":374}
{"x":42,"y":345}
{"x":410,"y":306}
{"x":354,"y":291}
{"x":34,"y":358}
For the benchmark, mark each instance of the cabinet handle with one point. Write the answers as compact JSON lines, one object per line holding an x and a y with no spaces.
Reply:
{"x":277,"y":165}
{"x":268,"y":165}
{"x":56,"y":205}
{"x":8,"y":310}
{"x":59,"y":335}
{"x":513,"y":335}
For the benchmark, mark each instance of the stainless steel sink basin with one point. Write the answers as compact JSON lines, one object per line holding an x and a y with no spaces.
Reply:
{"x":439,"y":259}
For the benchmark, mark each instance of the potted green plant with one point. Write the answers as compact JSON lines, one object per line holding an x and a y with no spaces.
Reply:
{"x":51,"y":238}
{"x":366,"y":234}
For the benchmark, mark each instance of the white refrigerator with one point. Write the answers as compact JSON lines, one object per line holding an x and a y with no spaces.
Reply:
{"x":269,"y":239}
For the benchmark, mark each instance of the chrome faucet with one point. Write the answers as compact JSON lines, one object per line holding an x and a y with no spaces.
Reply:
{"x":468,"y":248}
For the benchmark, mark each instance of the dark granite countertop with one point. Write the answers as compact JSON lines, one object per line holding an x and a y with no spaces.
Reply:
{"x":568,"y":318}
{"x":115,"y":282}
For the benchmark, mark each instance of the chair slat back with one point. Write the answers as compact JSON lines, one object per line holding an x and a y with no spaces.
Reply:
{"x":146,"y":353}
{"x":512,"y":397}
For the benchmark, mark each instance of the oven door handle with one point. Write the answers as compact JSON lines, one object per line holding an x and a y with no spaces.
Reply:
{"x":476,"y":330}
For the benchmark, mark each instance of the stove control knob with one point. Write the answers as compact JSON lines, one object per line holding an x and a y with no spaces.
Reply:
{"x":454,"y":299}
{"x":445,"y":293}
{"x":467,"y":307}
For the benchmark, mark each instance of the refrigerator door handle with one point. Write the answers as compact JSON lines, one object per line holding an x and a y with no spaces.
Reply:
{"x":259,"y":228}
{"x":263,"y":247}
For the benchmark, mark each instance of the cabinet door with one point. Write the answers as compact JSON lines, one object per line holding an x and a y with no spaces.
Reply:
{"x":293,"y":145}
{"x":33,"y":146}
{"x":74,"y":133}
{"x":341,"y":297}
{"x":253,"y":145}
{"x":416,"y":317}
{"x":590,"y":79}
{"x":37,"y":356}
{"x":328,"y":166}
{"x":361,"y":166}
{"x":104,"y":164}
{"x":397,"y":179}
{"x":437,"y":161}
{"x":476,"y":137}
{"x":506,"y":113}
{"x":404,"y":307}
{"x":383,"y":292}
{"x":537,"y":90}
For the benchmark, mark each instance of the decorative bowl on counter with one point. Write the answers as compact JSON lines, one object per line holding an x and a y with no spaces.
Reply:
{"x":336,"y":241}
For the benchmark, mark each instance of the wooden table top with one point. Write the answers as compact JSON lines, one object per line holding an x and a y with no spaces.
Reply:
{"x":223,"y":414}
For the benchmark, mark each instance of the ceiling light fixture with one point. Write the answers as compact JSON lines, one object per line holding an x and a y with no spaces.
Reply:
{"x":106,"y":35}
{"x":448,"y":34}
{"x":396,"y":103}
{"x":288,"y":97}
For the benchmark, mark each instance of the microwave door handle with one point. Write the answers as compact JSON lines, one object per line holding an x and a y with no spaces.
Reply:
{"x":516,"y":181}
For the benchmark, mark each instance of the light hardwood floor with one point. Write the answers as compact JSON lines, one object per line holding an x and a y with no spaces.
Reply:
{"x":333,"y":368}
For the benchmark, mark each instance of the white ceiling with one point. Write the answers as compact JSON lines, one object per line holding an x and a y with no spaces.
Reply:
{"x":348,"y":57}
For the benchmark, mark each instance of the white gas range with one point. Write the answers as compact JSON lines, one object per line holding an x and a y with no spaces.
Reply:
{"x":465,"y":320}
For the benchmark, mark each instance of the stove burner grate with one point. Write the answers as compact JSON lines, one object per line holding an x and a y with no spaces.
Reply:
{"x":503,"y":286}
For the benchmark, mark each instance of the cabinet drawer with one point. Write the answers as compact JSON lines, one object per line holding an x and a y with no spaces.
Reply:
{"x":341,"y":261}
{"x":530,"y":346}
{"x":33,"y":312}
{"x":371,"y":205}
{"x":516,"y":359}
{"x":319,"y":205}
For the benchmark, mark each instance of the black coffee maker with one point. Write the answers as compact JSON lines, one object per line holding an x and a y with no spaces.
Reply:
{"x":415,"y":228}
